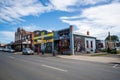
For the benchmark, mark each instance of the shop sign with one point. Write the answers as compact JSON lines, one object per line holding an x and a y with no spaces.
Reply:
{"x":50,"y":40}
{"x":26,"y":42}
{"x":43,"y":36}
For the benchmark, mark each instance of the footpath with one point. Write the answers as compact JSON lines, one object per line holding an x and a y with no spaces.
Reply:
{"x":86,"y":57}
{"x":102,"y":59}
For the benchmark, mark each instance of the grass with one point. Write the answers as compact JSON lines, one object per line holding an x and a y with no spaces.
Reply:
{"x":100,"y":54}
{"x":118,"y":51}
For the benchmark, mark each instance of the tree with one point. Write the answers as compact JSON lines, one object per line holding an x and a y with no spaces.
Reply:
{"x":112,"y":37}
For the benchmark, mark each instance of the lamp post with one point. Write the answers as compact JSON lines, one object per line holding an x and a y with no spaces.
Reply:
{"x":38,"y":47}
{"x":21,"y":41}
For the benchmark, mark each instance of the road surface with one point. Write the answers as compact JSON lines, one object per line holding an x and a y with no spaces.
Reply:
{"x":34,"y":67}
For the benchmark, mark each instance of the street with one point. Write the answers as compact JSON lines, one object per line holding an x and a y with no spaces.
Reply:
{"x":35,"y":67}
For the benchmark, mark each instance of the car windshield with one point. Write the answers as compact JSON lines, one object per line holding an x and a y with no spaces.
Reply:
{"x":28,"y":49}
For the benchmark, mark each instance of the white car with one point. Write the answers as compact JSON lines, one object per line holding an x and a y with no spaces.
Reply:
{"x":1,"y":49}
{"x":5,"y":49}
{"x":27,"y":51}
{"x":11,"y":50}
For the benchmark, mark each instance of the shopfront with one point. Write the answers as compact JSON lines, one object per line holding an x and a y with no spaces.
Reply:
{"x":63,"y":42}
{"x":27,"y":41}
{"x":44,"y":42}
{"x":79,"y":44}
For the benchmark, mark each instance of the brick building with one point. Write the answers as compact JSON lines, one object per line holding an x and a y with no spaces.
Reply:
{"x":18,"y":38}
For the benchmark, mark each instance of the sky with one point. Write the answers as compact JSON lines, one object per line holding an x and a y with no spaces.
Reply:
{"x":96,"y":16}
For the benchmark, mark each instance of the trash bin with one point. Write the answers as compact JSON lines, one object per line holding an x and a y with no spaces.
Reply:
{"x":42,"y":51}
{"x":54,"y":52}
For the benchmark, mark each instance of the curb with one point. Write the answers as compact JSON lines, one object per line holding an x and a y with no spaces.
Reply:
{"x":93,"y":59}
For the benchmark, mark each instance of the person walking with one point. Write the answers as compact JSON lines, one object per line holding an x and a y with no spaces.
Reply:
{"x":42,"y":49}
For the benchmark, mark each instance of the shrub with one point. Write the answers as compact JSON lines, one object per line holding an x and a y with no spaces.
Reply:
{"x":118,"y":51}
{"x":103,"y":50}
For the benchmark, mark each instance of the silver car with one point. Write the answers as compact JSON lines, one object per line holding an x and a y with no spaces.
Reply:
{"x":11,"y":50}
{"x":27,"y":51}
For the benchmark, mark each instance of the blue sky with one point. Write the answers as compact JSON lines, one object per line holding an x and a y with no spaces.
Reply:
{"x":97,"y":16}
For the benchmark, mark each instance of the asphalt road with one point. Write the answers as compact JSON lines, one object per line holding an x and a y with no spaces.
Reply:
{"x":34,"y":67}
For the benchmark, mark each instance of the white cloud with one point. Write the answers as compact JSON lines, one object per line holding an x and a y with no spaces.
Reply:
{"x":6,"y":36}
{"x":67,"y":5}
{"x":33,"y":27}
{"x":11,"y":10}
{"x":14,"y":10}
{"x":106,"y":14}
{"x":98,"y":20}
{"x":63,"y":5}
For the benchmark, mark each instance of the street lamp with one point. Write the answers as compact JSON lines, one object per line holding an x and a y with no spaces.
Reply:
{"x":38,"y":48}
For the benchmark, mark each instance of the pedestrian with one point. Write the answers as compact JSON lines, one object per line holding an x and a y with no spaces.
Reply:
{"x":42,"y":49}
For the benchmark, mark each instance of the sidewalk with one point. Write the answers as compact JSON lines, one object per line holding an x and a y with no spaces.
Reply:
{"x":101,"y":59}
{"x":40,"y":54}
{"x":18,"y":53}
{"x":85,"y":57}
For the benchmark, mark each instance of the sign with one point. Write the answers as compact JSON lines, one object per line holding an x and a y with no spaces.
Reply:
{"x":64,"y":34}
{"x":43,"y":36}
{"x":26,"y":42}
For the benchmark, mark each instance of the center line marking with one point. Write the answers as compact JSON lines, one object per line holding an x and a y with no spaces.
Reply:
{"x":11,"y":57}
{"x":54,"y":68}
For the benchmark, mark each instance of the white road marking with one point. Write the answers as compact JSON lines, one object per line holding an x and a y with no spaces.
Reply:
{"x":27,"y":61}
{"x":11,"y":57}
{"x":115,"y":66}
{"x":54,"y":68}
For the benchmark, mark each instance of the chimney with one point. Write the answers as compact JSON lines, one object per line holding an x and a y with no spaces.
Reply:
{"x":88,"y":33}
{"x":109,"y":36}
{"x":71,"y":28}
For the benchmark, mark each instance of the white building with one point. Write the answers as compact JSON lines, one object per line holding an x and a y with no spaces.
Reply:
{"x":90,"y":44}
{"x":84,"y":43}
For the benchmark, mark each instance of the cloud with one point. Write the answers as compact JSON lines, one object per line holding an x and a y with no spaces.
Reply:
{"x":15,"y":10}
{"x":12,"y":10}
{"x":63,"y":5}
{"x":67,"y":5}
{"x":99,"y":20}
{"x":33,"y":27}
{"x":6,"y":36}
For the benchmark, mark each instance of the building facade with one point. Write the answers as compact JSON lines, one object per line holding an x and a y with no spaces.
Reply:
{"x":67,"y":42}
{"x":63,"y":41}
{"x":100,"y":44}
{"x":43,"y":41}
{"x":27,"y":40}
{"x":84,"y":43}
{"x":18,"y":38}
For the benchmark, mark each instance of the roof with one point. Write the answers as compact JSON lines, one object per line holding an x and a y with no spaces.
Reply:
{"x":83,"y":35}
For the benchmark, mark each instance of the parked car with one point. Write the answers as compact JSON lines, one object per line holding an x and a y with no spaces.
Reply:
{"x":1,"y":49}
{"x":26,"y":51}
{"x":11,"y":50}
{"x":5,"y":49}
